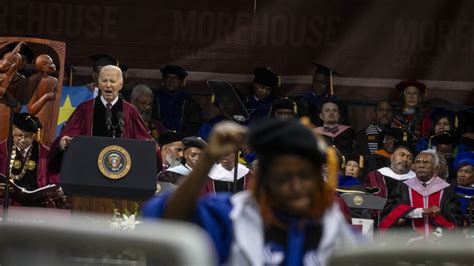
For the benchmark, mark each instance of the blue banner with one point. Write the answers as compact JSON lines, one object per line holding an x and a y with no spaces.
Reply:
{"x":71,"y":97}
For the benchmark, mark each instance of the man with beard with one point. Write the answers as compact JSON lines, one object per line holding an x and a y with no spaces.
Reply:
{"x":107,"y":116}
{"x":368,"y":139}
{"x":424,"y":204}
{"x":193,"y":149}
{"x":142,"y":98}
{"x":339,"y":135}
{"x":171,"y":149}
{"x":387,"y":178}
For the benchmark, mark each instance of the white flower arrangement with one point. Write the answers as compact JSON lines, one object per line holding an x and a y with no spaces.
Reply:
{"x":124,"y":221}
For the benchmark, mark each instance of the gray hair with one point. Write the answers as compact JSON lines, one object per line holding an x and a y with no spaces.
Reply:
{"x":140,"y":90}
{"x":112,"y":67}
{"x":434,"y":156}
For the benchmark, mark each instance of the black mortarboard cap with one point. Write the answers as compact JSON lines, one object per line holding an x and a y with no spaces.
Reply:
{"x":168,"y":137}
{"x":174,"y":70}
{"x":397,"y":133}
{"x":276,"y":137}
{"x":24,"y":50}
{"x":27,"y":122}
{"x":444,"y":137}
{"x":284,"y":103}
{"x":411,"y":83}
{"x":123,"y":67}
{"x":266,"y":77}
{"x":103,"y":60}
{"x":194,"y":141}
{"x":324,"y":70}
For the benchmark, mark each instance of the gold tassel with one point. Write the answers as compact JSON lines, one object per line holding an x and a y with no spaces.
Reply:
{"x":456,"y":121}
{"x":405,"y":137}
{"x":213,"y":98}
{"x":343,"y":164}
{"x":361,"y":161}
{"x":330,"y":82}
{"x":333,"y":168}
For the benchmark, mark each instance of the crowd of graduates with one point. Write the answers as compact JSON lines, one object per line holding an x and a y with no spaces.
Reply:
{"x":419,"y":159}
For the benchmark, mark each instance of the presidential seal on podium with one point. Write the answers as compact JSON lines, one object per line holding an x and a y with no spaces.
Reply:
{"x":114,"y":162}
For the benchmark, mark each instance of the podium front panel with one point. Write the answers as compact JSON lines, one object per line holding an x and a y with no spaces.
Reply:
{"x":109,"y":167}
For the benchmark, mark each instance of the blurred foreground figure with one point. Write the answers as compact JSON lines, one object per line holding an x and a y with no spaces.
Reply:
{"x":290,"y":216}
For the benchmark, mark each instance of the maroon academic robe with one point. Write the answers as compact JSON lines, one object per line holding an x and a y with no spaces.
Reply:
{"x":81,"y":123}
{"x":43,"y":177}
{"x":385,"y":180}
{"x":222,"y":180}
{"x":410,"y":195}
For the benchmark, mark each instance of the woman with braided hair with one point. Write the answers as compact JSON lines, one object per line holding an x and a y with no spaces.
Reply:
{"x":289,"y":217}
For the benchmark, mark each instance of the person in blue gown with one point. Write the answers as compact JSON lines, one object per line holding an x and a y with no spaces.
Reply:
{"x":289,"y":217}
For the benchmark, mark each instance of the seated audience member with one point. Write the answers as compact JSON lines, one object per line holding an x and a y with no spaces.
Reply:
{"x":352,"y":165}
{"x":259,"y":102}
{"x":221,"y":176}
{"x":142,"y":98}
{"x":341,"y":136}
{"x":193,"y":151}
{"x":284,"y":108}
{"x":464,"y":164}
{"x":387,"y":178}
{"x":107,"y":115}
{"x":289,"y":218}
{"x":425,"y":204}
{"x":446,"y":145}
{"x":175,"y":108}
{"x":368,"y":139}
{"x":443,"y":169}
{"x":466,"y":127}
{"x":442,"y":120}
{"x":411,"y":117}
{"x":171,"y":149}
{"x":322,"y":89}
{"x":27,"y":161}
{"x":381,"y":157}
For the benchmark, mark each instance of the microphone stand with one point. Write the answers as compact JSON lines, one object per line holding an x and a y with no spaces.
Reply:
{"x":12,"y":103}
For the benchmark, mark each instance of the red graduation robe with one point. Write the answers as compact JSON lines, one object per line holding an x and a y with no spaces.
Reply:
{"x":410,"y":195}
{"x":81,"y":123}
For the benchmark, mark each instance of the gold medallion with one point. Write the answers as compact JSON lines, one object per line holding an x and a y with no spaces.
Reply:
{"x":114,"y":162}
{"x":30,"y":165}
{"x":358,"y":200}
{"x":17,"y":164}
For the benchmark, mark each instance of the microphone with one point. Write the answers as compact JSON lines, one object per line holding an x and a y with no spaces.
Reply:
{"x":108,"y":119}
{"x":121,"y":121}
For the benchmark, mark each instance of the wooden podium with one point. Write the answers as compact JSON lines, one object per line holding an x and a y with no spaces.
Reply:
{"x":100,"y":174}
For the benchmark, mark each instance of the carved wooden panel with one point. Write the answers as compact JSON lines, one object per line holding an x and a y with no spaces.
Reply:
{"x":48,"y":134}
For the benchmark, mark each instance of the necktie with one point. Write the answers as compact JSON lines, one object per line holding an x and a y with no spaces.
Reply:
{"x":109,"y":106}
{"x":331,"y":129}
{"x":424,"y":184}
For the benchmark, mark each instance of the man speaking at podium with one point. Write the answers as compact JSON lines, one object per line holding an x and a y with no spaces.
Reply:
{"x":107,"y":116}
